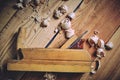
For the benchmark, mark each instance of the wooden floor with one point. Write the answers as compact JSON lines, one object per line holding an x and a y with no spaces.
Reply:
{"x":100,"y":15}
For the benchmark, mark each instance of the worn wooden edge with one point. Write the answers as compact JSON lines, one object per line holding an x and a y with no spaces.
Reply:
{"x":61,"y":62}
{"x":50,"y":53}
{"x":57,"y":67}
{"x":21,"y":38}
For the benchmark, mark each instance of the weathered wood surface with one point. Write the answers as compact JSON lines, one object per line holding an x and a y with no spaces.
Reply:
{"x":33,"y":29}
{"x":7,"y":37}
{"x":101,"y":15}
{"x":6,"y":12}
{"x":40,"y":37}
{"x":110,"y":67}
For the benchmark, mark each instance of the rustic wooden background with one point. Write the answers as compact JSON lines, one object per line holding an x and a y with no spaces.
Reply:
{"x":101,"y":15}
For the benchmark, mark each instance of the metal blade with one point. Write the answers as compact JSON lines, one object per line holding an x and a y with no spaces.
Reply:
{"x":77,"y":39}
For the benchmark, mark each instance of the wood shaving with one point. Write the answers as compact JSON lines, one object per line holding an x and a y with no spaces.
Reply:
{"x":109,"y":45}
{"x":49,"y":76}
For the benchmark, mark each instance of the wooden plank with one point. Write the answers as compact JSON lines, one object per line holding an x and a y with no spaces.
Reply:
{"x":97,"y":10}
{"x":6,"y":43}
{"x":20,"y":39}
{"x":54,"y":62}
{"x":45,"y":11}
{"x":69,"y":42}
{"x":6,"y":12}
{"x":112,"y":60}
{"x":95,"y":20}
{"x":7,"y":51}
{"x":55,"y":54}
{"x":8,"y":34}
{"x":39,"y":40}
{"x":111,"y":70}
{"x":50,"y":66}
{"x":92,"y":17}
{"x":101,"y":6}
{"x":59,"y":40}
{"x":16,"y":22}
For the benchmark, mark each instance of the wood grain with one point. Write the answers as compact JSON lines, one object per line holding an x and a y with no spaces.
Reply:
{"x":112,"y":60}
{"x":69,"y":42}
{"x":49,"y":66}
{"x":19,"y":21}
{"x":42,"y":37}
{"x":55,"y":54}
{"x":7,"y":36}
{"x":93,"y":15}
{"x":101,"y":15}
{"x":110,"y":68}
{"x":54,"y":60}
{"x":7,"y":11}
{"x":20,"y":38}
